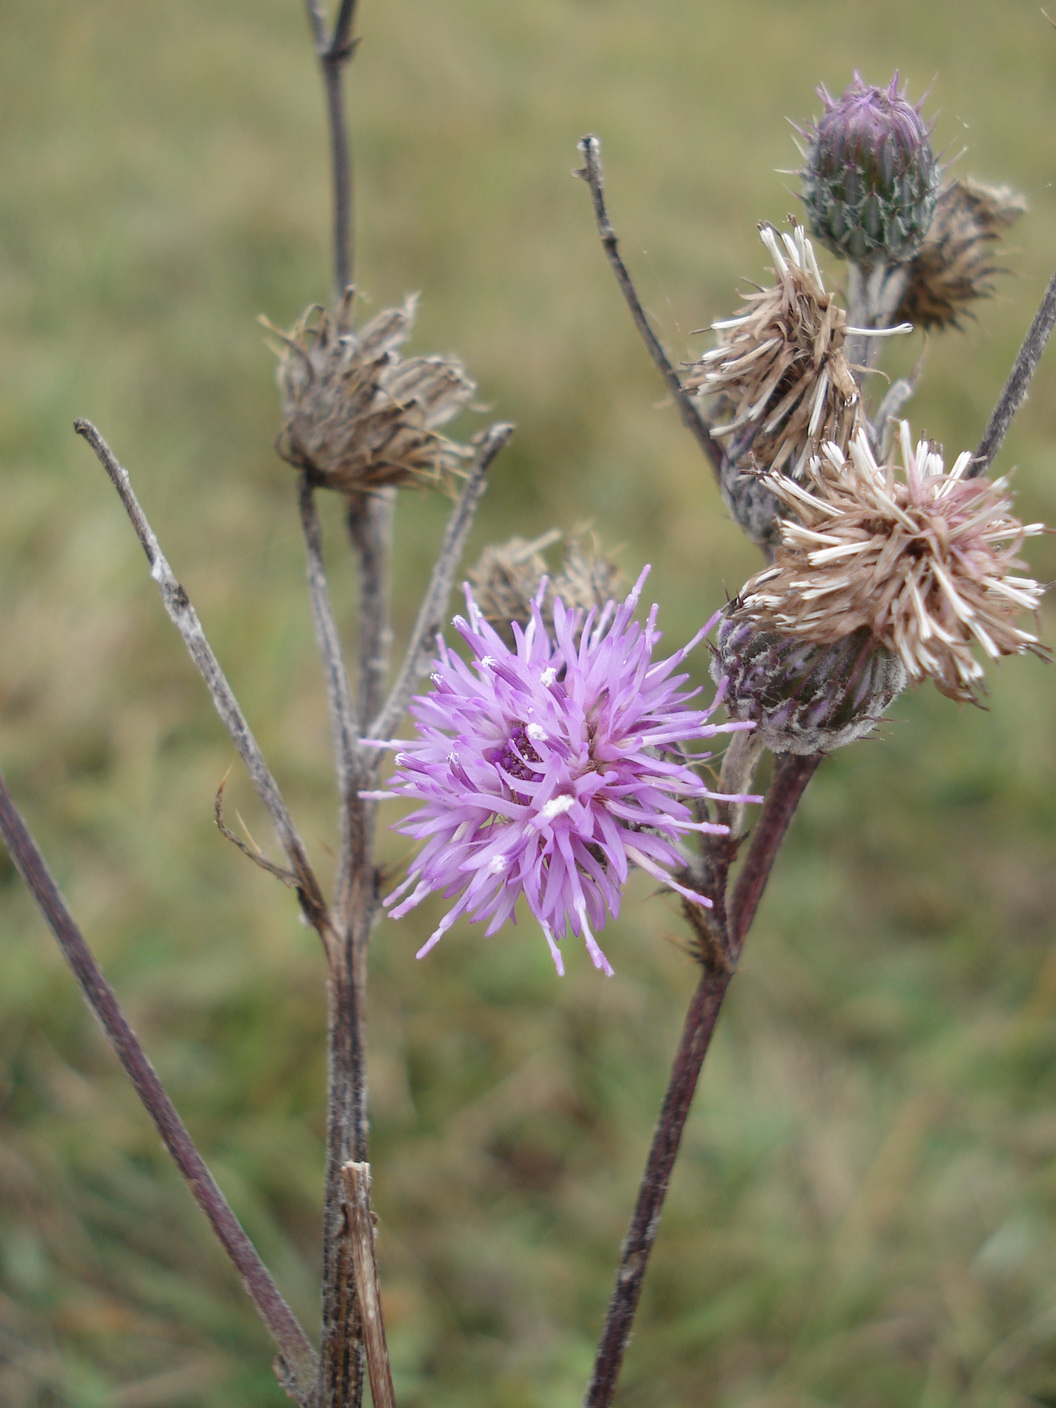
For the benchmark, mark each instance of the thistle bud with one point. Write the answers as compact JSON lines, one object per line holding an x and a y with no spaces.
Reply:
{"x":871,"y":179}
{"x":803,"y":697}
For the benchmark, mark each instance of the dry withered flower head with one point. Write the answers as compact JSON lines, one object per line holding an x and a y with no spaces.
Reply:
{"x":356,"y":415}
{"x":784,"y":385}
{"x":922,"y":557}
{"x":954,"y":266}
{"x":507,"y":577}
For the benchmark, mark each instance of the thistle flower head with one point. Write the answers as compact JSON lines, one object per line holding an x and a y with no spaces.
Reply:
{"x":954,"y":266}
{"x":779,"y":369}
{"x":921,"y":557}
{"x":356,"y":415}
{"x":549,"y":769}
{"x":870,"y":180}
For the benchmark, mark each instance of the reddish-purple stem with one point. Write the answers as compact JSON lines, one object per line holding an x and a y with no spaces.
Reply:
{"x":791,"y":775}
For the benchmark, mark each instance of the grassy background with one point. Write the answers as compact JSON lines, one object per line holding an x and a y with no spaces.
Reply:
{"x":865,"y":1210}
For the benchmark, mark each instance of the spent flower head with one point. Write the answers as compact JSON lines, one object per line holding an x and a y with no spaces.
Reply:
{"x":507,"y":578}
{"x":871,"y":179}
{"x":779,"y":370}
{"x":357,"y":416}
{"x":954,"y":266}
{"x":922,"y":557}
{"x":548,"y":770}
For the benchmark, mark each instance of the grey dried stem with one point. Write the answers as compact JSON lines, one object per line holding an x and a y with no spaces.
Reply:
{"x":1018,"y":383}
{"x":355,"y":1179}
{"x":297,"y":1365}
{"x":185,"y":619}
{"x":351,"y":1319}
{"x":688,"y":409}
{"x":334,"y":48}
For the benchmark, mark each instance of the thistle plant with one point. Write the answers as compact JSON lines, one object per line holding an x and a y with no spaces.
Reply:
{"x":545,"y":746}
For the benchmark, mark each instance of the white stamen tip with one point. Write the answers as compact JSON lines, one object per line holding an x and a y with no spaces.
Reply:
{"x":558,"y":806}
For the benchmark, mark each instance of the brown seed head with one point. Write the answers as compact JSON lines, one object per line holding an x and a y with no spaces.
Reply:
{"x":507,"y":578}
{"x":784,"y":385}
{"x":356,"y":415}
{"x":923,"y":558}
{"x":954,"y":266}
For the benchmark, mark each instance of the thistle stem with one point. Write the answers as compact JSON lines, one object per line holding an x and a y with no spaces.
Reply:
{"x":791,"y":776}
{"x":792,"y":772}
{"x":334,"y":50}
{"x":682,"y":1083}
{"x":298,"y":1363}
{"x":1018,"y":383}
{"x":430,"y":614}
{"x":185,"y":619}
{"x":355,"y":1180}
{"x":370,"y":519}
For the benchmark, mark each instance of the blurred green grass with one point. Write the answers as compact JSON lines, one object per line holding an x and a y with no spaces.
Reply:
{"x":864,"y":1213}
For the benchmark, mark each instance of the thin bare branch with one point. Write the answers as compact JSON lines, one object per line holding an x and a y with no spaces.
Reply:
{"x":430,"y":616}
{"x":687,"y":406}
{"x":298,"y":1366}
{"x":1019,"y":379}
{"x":185,"y":619}
{"x":317,"y":20}
{"x":341,"y":41}
{"x":334,"y":52}
{"x":356,"y":1180}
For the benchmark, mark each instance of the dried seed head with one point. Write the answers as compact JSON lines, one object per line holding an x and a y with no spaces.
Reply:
{"x":802,"y":697}
{"x":870,"y":181}
{"x":779,"y":370}
{"x":507,"y":578}
{"x":921,"y":558}
{"x":586,"y":580}
{"x":954,"y":267}
{"x":357,"y":416}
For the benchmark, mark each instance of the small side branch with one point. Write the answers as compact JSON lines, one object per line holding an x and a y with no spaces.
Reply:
{"x":185,"y":619}
{"x":298,"y":1365}
{"x":355,"y":1179}
{"x":1019,"y":379}
{"x":688,"y":409}
{"x":430,"y":616}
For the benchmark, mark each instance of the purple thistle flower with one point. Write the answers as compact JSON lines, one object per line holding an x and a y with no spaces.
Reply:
{"x":550,"y":769}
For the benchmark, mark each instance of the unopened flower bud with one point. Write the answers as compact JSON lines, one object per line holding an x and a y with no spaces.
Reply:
{"x":780,"y":382}
{"x":871,"y":179}
{"x":803,"y":697}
